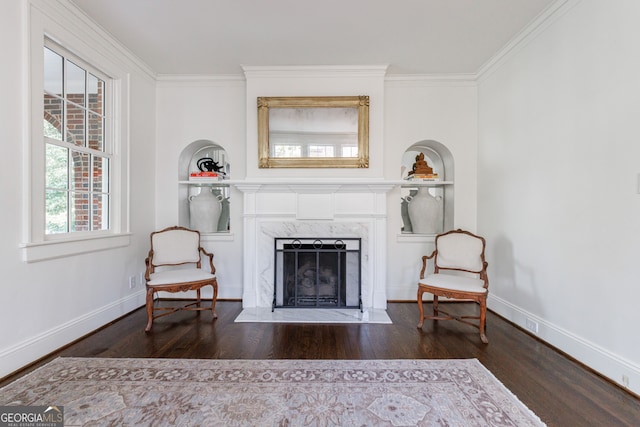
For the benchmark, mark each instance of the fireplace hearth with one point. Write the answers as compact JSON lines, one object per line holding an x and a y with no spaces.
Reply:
{"x":317,"y":273}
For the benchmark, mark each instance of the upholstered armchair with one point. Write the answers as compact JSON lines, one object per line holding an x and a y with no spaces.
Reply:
{"x":174,"y":264}
{"x":460,"y":272}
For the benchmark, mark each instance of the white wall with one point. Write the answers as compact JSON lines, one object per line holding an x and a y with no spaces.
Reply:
{"x":194,"y":109}
{"x":442,"y":109}
{"x":558,"y":196}
{"x":47,"y":304}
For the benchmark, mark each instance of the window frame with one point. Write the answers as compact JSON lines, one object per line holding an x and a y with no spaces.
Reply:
{"x":36,"y":244}
{"x":108,"y":143}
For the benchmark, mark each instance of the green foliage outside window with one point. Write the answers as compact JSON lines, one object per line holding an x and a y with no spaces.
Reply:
{"x":57,"y":182}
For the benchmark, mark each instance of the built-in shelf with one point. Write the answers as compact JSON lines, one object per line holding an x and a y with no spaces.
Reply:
{"x":222,"y":183}
{"x":415,"y":238}
{"x":426,"y":205}
{"x":410,"y":184}
{"x":205,"y":156}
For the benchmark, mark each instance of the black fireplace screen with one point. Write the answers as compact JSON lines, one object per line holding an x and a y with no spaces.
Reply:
{"x":320,"y":273}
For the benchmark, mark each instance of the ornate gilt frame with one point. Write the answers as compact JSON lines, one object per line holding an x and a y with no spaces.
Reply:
{"x":359,"y":102}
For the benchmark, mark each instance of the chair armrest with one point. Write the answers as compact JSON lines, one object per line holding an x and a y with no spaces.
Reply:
{"x":149,"y":266}
{"x":424,"y":263}
{"x":483,"y":274}
{"x":210,"y":255}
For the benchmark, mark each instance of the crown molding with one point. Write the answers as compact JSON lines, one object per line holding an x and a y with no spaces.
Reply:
{"x":314,"y":71}
{"x":199,"y":80}
{"x":461,"y":79}
{"x":186,"y":80}
{"x":540,"y":23}
{"x":62,"y":10}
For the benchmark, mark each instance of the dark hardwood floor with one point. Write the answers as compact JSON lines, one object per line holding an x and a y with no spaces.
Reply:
{"x":560,"y":391}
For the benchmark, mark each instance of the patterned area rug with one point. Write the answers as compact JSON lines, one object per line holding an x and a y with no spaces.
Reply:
{"x":159,"y":392}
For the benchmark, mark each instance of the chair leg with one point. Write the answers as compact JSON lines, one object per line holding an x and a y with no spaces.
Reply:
{"x":483,"y":317}
{"x":435,"y":306}
{"x":215,"y":298}
{"x":420,"y":307}
{"x":149,"y":309}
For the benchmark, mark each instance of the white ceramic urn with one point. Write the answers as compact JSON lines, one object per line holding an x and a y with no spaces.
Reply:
{"x":425,"y":212}
{"x":204,"y":211}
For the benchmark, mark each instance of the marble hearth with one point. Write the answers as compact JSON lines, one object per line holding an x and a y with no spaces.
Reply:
{"x":327,"y":209}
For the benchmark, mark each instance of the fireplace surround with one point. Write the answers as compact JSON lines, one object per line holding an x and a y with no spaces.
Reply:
{"x":348,"y":208}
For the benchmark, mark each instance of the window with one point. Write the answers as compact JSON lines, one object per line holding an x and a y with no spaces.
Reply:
{"x":324,"y":150}
{"x":286,"y":150}
{"x":77,"y":145}
{"x":312,"y":149}
{"x":76,"y":148}
{"x":349,"y":150}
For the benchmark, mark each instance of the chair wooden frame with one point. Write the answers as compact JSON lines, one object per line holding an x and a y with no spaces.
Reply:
{"x":204,"y":279}
{"x":478,"y":295}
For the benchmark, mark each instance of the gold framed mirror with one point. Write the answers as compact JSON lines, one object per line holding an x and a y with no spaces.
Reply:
{"x":313,"y":132}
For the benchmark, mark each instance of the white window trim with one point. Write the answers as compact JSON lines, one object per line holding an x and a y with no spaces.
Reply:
{"x":36,"y":244}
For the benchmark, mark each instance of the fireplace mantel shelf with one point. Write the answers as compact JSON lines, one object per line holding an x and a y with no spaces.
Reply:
{"x":305,"y":182}
{"x":322,"y":185}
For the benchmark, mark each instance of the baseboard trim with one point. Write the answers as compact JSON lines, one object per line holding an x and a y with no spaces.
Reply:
{"x":15,"y":358}
{"x":600,"y":360}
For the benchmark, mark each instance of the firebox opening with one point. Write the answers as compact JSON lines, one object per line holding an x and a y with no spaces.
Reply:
{"x":317,"y":273}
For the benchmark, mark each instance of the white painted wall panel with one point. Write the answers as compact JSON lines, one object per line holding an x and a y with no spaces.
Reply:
{"x":443,"y":110}
{"x":558,"y":160}
{"x":53,"y":302}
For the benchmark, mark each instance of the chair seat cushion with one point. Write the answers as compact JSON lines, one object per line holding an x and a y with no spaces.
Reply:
{"x":170,"y":277}
{"x":455,"y":283}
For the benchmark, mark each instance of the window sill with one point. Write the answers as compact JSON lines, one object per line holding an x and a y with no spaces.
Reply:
{"x":32,"y":252}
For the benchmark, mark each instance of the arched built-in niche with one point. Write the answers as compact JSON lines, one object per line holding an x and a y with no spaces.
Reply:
{"x":188,"y":163}
{"x":440,"y":159}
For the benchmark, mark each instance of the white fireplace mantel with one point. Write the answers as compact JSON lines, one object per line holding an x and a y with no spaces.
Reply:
{"x":305,"y":185}
{"x":307,"y":208}
{"x":314,"y":185}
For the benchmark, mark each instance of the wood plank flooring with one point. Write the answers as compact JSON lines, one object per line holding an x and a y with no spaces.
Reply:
{"x":560,"y":391}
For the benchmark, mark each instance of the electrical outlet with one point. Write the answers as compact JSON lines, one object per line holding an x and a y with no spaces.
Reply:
{"x":532,"y":326}
{"x":132,"y":282}
{"x":625,"y":381}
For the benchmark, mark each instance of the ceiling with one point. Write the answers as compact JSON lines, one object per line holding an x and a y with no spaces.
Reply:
{"x":219,"y":36}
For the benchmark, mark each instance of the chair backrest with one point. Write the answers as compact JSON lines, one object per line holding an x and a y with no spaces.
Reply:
{"x":175,"y":245}
{"x":460,"y":250}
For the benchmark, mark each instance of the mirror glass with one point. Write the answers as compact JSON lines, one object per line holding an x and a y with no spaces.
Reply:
{"x":313,"y":131}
